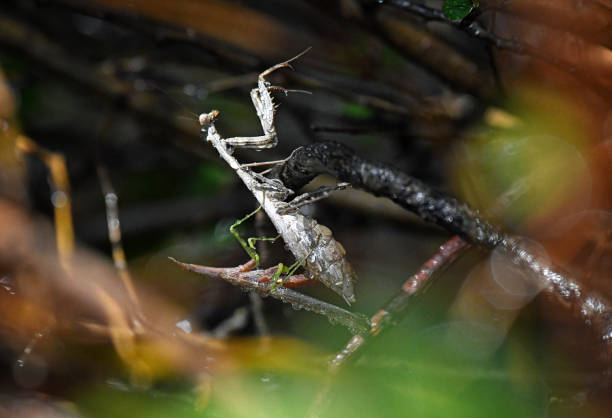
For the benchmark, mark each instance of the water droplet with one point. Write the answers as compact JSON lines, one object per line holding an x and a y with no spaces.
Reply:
{"x":59,"y":199}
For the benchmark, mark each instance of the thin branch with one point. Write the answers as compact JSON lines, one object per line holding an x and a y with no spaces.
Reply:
{"x":261,"y":326}
{"x":259,"y":281}
{"x":60,"y":197}
{"x":399,"y":304}
{"x":114,"y":235}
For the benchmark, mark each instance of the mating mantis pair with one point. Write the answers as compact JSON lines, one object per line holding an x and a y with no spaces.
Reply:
{"x":311,"y":243}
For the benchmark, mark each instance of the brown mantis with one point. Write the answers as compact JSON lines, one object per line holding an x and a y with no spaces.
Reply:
{"x":323,"y":257}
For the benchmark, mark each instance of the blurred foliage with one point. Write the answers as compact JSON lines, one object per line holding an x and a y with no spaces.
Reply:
{"x":525,"y":172}
{"x":437,"y":377}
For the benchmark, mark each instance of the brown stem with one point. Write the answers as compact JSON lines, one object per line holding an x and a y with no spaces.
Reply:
{"x":399,"y":304}
{"x":259,"y":281}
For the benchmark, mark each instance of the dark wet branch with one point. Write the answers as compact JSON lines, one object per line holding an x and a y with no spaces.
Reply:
{"x":381,"y":179}
{"x":260,"y":281}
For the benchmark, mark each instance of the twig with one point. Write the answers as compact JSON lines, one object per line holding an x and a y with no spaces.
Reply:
{"x":259,"y":318}
{"x":236,"y":321}
{"x":114,"y":236}
{"x":259,"y":281}
{"x":381,"y":179}
{"x":60,"y":197}
{"x":398,"y":305}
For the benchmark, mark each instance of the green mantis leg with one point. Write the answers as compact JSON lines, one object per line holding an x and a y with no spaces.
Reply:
{"x":249,"y":249}
{"x":287,"y":271}
{"x":279,"y":271}
{"x":292,"y":268}
{"x":249,"y":244}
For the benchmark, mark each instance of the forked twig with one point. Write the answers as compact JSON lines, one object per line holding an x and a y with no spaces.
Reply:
{"x":260,"y":281}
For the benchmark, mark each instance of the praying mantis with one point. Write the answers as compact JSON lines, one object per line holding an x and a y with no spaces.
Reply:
{"x":249,"y":247}
{"x":313,"y":244}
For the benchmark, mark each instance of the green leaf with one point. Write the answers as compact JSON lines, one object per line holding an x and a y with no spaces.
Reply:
{"x":458,"y":9}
